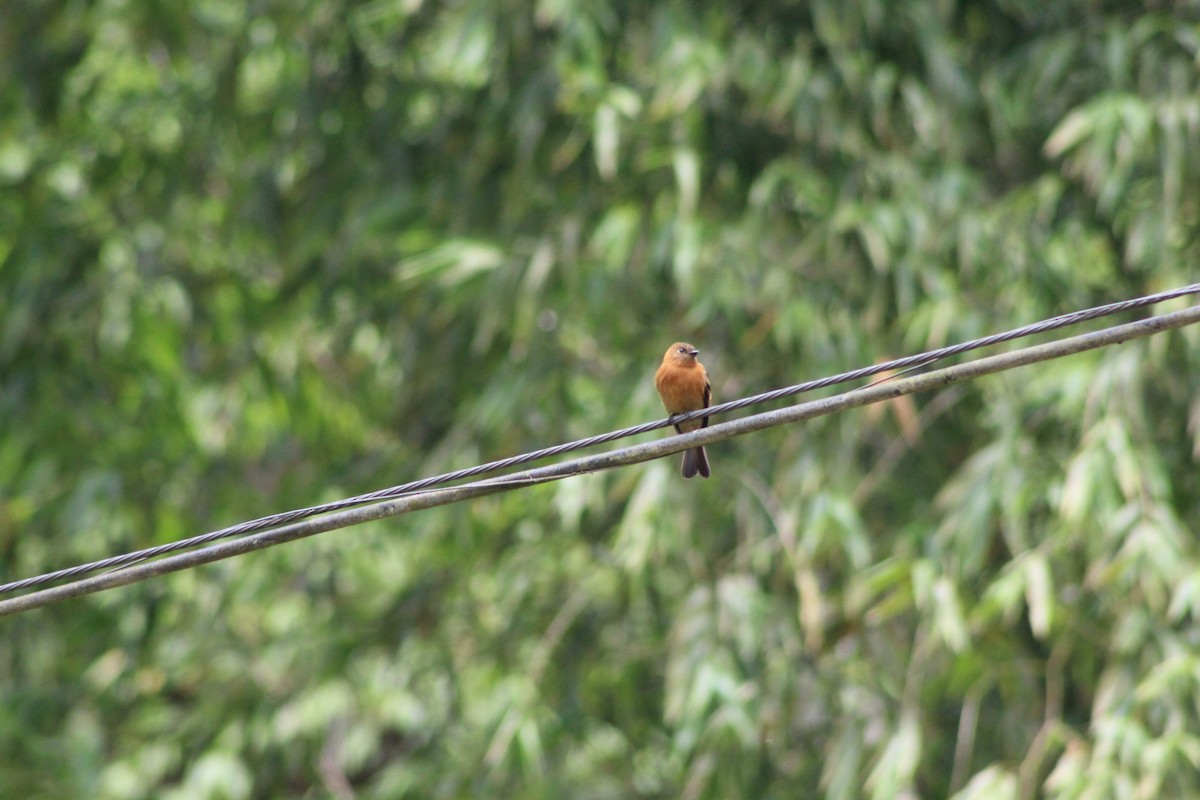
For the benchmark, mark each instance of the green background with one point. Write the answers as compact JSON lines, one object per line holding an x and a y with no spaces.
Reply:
{"x":257,"y":256}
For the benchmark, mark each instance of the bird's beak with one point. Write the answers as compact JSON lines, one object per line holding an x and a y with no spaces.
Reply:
{"x":695,"y":352}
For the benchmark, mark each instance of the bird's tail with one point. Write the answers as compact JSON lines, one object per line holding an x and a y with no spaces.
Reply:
{"x":695,"y":462}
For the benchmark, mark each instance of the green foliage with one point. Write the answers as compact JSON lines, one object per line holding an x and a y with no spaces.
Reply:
{"x":257,"y":257}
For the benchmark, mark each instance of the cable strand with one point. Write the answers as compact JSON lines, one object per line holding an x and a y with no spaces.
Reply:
{"x":906,"y":363}
{"x":609,"y":459}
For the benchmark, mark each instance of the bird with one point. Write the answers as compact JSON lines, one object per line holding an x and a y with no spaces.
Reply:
{"x":682,"y":383}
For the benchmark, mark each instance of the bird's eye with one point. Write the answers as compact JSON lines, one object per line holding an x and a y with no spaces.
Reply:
{"x":683,"y":349}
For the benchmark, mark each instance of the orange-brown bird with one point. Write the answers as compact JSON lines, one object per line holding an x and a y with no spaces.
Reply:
{"x":682,"y":383}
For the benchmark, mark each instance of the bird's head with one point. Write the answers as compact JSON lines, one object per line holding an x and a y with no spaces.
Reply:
{"x":681,"y":353}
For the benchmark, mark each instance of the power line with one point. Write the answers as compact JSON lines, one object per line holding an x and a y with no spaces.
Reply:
{"x":624,"y":456}
{"x":286,"y":517}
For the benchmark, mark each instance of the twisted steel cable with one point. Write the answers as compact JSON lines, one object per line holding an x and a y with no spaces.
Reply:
{"x":906,"y":363}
